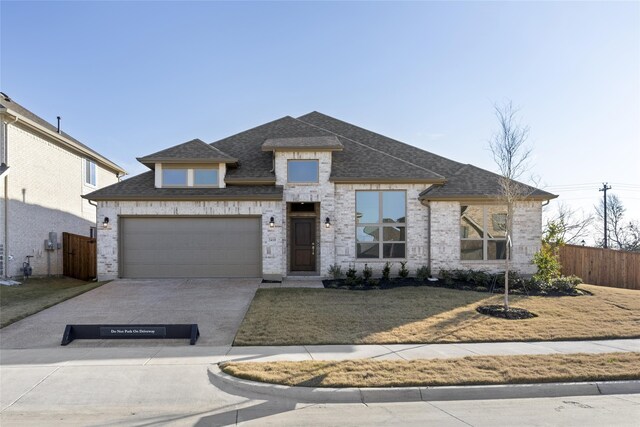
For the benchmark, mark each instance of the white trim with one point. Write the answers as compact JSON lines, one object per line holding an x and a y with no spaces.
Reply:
{"x":158,"y":180}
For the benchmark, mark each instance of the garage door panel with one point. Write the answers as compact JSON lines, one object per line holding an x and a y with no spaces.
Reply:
{"x":190,"y":247}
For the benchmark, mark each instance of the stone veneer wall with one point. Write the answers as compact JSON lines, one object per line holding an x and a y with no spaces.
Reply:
{"x":345,"y":228}
{"x":445,"y":238}
{"x":323,"y":192}
{"x":272,"y":249}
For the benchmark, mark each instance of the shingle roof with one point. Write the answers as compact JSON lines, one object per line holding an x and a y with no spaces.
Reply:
{"x":142,"y":187}
{"x":9,"y":104}
{"x":306,"y":143}
{"x":472,"y":182}
{"x":462,"y":180}
{"x":194,"y":150}
{"x":365,"y":157}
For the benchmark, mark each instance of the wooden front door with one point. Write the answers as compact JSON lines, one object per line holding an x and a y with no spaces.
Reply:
{"x":303,"y":244}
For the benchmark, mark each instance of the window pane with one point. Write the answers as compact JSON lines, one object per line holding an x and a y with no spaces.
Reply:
{"x":89,"y":172}
{"x":471,"y":222}
{"x":205,"y":176}
{"x":497,"y":249}
{"x":368,"y":234}
{"x":394,"y":234}
{"x":393,"y":206}
{"x":393,"y":250}
{"x":498,"y":221}
{"x":174,"y":177}
{"x":302,"y":171}
{"x":368,"y":250}
{"x":367,"y":207}
{"x":471,"y":250}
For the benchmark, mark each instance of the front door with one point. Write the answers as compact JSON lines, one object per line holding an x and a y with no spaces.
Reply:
{"x":303,"y":244}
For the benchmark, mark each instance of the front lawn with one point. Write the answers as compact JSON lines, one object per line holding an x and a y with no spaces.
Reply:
{"x":36,"y":294}
{"x":289,"y":316}
{"x":473,"y":370}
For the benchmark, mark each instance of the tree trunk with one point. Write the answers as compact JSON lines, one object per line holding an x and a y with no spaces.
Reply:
{"x":507,"y":261}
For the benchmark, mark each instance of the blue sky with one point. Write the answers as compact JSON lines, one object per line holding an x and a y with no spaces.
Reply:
{"x":130,"y":78}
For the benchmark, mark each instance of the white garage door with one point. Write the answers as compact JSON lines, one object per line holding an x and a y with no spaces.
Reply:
{"x":190,"y":247}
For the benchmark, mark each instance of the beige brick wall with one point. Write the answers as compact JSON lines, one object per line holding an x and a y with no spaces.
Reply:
{"x":272,"y":249}
{"x":322,"y":192}
{"x":445,"y":238}
{"x":345,"y":234}
{"x":45,"y":182}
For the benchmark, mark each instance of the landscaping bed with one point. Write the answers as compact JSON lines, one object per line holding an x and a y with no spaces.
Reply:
{"x":408,"y":315}
{"x":466,"y":280}
{"x":475,"y":370}
{"x":37,"y":294}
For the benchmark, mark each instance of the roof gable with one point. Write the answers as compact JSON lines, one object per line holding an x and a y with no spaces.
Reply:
{"x":192,"y":151}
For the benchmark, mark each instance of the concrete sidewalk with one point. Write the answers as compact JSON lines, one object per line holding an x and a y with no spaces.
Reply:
{"x":135,"y":354}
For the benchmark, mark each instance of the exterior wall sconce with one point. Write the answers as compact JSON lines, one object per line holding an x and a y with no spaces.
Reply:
{"x":272,"y":222}
{"x":583,"y":242}
{"x":327,"y":223}
{"x":105,"y":222}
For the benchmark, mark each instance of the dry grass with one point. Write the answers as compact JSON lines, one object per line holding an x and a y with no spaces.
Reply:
{"x":431,"y":315}
{"x":36,"y":294}
{"x":441,"y":372}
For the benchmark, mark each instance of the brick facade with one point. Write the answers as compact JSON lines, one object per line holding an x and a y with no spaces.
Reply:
{"x":45,"y":182}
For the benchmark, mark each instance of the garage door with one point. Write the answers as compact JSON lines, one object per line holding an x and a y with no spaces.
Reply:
{"x":190,"y":247}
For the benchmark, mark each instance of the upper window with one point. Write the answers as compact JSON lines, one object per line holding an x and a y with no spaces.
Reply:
{"x":177,"y":177}
{"x":381,"y":224}
{"x":302,"y":171}
{"x":205,"y":177}
{"x":89,"y":172}
{"x":483,"y":233}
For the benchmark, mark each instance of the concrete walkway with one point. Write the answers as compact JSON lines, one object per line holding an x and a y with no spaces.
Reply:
{"x":136,"y":354}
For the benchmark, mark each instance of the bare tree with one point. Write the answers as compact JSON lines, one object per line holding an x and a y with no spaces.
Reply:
{"x":573,"y":226}
{"x":621,"y":234}
{"x":511,"y":155}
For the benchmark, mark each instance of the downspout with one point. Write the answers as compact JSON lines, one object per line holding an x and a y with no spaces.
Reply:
{"x":5,"y":160}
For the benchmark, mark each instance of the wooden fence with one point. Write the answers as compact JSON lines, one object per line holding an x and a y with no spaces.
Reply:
{"x":79,"y":256}
{"x":604,"y":267}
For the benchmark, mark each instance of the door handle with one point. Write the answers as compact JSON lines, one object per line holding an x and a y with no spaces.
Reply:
{"x":313,"y":248}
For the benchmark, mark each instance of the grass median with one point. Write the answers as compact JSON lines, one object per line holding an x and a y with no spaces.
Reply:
{"x":288,"y":316}
{"x":37,"y":294}
{"x":473,"y":370}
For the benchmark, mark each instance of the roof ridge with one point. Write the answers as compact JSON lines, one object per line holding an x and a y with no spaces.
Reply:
{"x":380,"y":135}
{"x":249,"y":130}
{"x":370,"y":148}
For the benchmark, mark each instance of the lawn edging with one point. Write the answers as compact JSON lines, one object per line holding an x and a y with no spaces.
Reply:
{"x":415,"y":394}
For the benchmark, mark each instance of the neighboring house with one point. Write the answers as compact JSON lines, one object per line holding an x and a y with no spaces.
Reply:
{"x":294,"y":196}
{"x":44,"y":174}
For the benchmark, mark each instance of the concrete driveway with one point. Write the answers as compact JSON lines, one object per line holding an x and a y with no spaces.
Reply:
{"x":216,"y":305}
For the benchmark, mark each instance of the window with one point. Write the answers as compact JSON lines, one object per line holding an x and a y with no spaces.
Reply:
{"x":381,"y":224}
{"x":89,"y":172}
{"x":483,"y":233}
{"x":174,"y":177}
{"x":205,"y":177}
{"x":302,"y":171}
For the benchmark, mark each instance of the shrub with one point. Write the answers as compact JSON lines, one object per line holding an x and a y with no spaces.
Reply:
{"x":423,"y":273}
{"x":335,"y":271}
{"x":386,"y":270}
{"x":481,"y":278}
{"x":366,"y":272}
{"x":462,"y":275}
{"x":547,"y":258}
{"x":351,"y":273}
{"x":404,"y":271}
{"x":562,"y":284}
{"x":447,"y":277}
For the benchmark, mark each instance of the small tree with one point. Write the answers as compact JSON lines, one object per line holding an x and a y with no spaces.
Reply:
{"x":547,"y":259}
{"x":621,"y":234}
{"x":511,"y":155}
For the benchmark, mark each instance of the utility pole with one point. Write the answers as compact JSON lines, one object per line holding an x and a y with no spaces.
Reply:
{"x":604,"y":188}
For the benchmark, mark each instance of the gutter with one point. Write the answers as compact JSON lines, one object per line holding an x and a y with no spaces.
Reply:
{"x":5,"y":160}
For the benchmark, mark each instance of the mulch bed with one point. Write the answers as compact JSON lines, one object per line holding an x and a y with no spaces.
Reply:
{"x":398,"y":282}
{"x":513,"y":313}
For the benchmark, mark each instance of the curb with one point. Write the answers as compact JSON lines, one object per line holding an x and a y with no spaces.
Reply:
{"x":416,"y":394}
